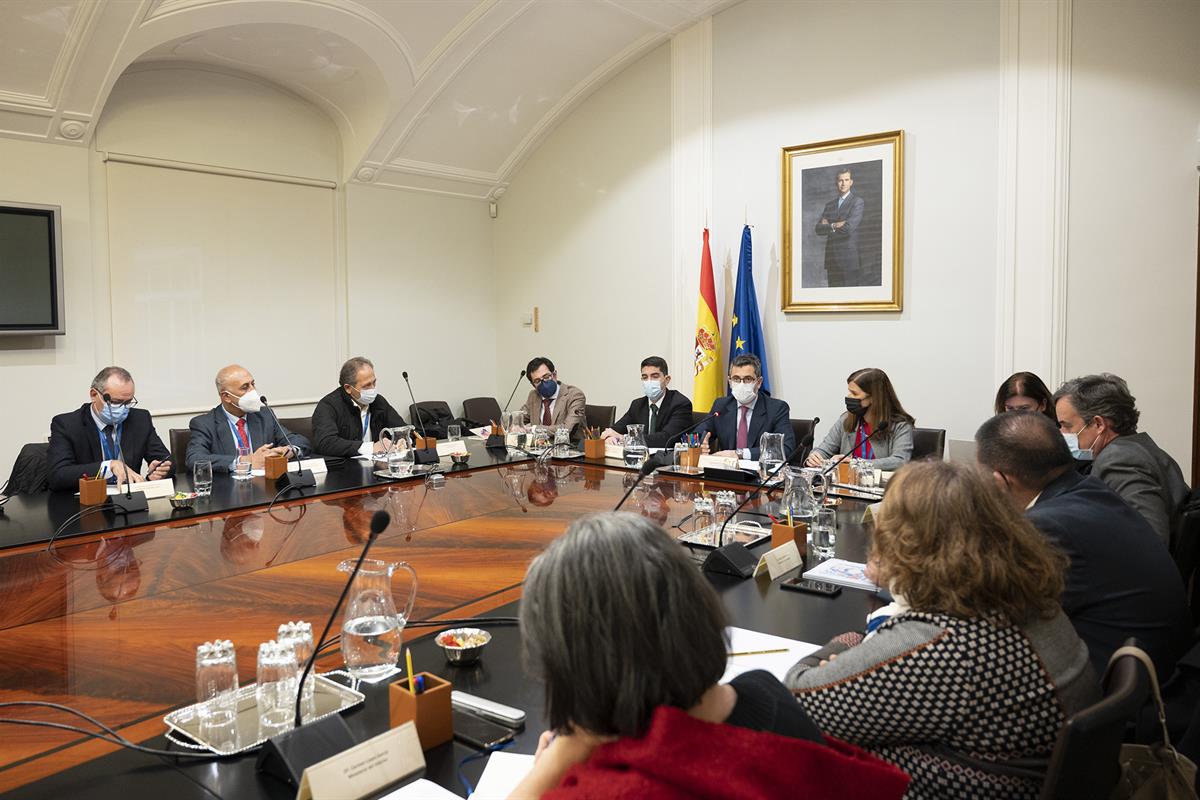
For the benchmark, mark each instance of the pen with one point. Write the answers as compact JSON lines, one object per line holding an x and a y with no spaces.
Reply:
{"x":420,"y":684}
{"x":757,"y":652}
{"x":408,"y":662}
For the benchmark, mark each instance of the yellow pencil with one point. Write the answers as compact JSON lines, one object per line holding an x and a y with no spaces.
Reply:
{"x":758,"y":652}
{"x":412,"y":687}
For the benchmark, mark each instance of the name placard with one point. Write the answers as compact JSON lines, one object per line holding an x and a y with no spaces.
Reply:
{"x":457,"y":447}
{"x":366,"y":768}
{"x":718,"y":462}
{"x":782,"y":559}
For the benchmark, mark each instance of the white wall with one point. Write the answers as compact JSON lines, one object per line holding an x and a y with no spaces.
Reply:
{"x":1135,"y":146}
{"x":584,"y":234}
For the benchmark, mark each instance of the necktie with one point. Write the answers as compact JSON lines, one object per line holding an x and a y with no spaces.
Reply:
{"x":653,"y":419}
{"x":743,"y":428}
{"x":841,"y":200}
{"x":110,"y":447}
{"x":546,"y":419}
{"x":243,"y":439}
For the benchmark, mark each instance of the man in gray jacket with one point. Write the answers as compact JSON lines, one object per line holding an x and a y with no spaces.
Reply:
{"x":1098,"y":417}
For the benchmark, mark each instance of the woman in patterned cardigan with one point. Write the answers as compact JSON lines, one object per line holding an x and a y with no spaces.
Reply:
{"x":966,"y":688}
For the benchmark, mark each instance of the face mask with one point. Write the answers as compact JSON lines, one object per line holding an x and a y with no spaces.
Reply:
{"x":367,"y":396}
{"x":855,"y":406}
{"x":547,"y":388}
{"x":744,"y":393}
{"x":113,"y":415}
{"x":1073,"y":443}
{"x":250,"y":402}
{"x":653,"y":389}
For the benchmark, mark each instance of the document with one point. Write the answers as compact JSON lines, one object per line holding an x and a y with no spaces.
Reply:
{"x":421,"y":789}
{"x":754,"y":644}
{"x":501,"y":775}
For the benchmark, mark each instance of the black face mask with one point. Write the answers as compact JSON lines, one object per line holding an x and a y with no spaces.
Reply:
{"x":855,"y":406}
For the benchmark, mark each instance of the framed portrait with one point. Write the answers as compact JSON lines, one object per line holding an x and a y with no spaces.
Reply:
{"x":843,"y":224}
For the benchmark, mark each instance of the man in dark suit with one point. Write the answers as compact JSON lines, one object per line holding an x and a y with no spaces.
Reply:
{"x":347,"y":421}
{"x":1120,"y":581}
{"x":664,"y":413}
{"x":745,"y":414}
{"x":110,"y":439}
{"x":1098,"y":416}
{"x":239,"y":421}
{"x":839,"y":225}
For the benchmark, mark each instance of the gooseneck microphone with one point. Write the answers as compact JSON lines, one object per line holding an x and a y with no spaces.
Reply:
{"x":520,"y":378}
{"x":379,"y":522}
{"x":753,"y":492}
{"x":421,"y":455}
{"x":664,"y":458}
{"x":301,"y":478}
{"x":125,"y":502}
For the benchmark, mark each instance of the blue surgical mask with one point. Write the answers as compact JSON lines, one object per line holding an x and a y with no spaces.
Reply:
{"x":547,"y":388}
{"x":113,"y":415}
{"x":653,"y":389}
{"x":1077,"y":452}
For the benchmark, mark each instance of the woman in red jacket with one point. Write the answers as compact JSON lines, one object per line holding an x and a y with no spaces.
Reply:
{"x":629,"y":640}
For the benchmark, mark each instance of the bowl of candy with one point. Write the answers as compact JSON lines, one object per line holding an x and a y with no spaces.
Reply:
{"x":460,"y":458}
{"x":183,"y":499}
{"x":463,"y":646}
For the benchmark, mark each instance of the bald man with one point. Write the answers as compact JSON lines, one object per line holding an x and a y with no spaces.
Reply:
{"x":240,"y":421}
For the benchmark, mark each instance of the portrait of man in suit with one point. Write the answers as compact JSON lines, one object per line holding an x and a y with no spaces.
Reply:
{"x":841,"y":239}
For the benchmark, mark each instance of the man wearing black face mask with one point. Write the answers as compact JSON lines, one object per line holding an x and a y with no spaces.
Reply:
{"x":552,"y":402}
{"x":86,"y":441}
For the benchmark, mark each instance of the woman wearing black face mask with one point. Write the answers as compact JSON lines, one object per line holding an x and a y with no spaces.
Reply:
{"x":870,"y":400}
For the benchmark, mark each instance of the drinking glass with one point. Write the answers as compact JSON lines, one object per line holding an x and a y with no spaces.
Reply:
{"x":202,"y":478}
{"x":241,"y":467}
{"x":454,"y":432}
{"x":702,"y":516}
{"x":679,"y":457}
{"x":562,"y":435}
{"x":216,"y":694}
{"x":726,"y":502}
{"x":276,"y":688}
{"x":823,"y":533}
{"x":299,"y":636}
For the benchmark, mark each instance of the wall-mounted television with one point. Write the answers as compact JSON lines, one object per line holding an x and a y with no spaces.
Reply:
{"x":31,"y":274}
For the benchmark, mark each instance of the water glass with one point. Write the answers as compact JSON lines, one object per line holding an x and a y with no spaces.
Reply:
{"x":216,"y":695}
{"x":276,"y":688}
{"x":299,"y":635}
{"x":726,"y":502}
{"x":679,"y":457}
{"x":822,"y":538}
{"x":202,"y":478}
{"x":241,"y":467}
{"x":562,"y":435}
{"x":454,"y":432}
{"x":702,"y":516}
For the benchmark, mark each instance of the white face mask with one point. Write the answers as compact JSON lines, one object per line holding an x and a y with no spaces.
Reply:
{"x":1076,"y":451}
{"x":367,"y":396}
{"x":744,"y":393}
{"x":250,"y":402}
{"x":653,"y":389}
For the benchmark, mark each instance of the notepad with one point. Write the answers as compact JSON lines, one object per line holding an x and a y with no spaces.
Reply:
{"x":747,"y":641}
{"x":421,"y":789}
{"x":501,"y":775}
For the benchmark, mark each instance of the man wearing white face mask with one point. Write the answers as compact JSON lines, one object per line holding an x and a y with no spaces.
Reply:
{"x":348,"y":420}
{"x":664,"y":413}
{"x":239,"y":421}
{"x":746,"y":413}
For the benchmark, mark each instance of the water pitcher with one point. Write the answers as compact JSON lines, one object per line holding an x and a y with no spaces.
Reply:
{"x":372,"y":630}
{"x":634,"y":445}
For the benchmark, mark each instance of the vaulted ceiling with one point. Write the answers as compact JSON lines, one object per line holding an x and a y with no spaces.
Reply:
{"x":439,"y":95}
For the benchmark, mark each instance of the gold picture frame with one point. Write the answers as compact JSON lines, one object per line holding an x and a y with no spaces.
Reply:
{"x":843,"y":247}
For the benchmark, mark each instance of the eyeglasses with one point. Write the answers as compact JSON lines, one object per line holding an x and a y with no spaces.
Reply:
{"x":549,"y":376}
{"x":130,"y":403}
{"x":750,"y":380}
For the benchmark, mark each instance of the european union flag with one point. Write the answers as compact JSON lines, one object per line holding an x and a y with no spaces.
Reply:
{"x":746,"y":333}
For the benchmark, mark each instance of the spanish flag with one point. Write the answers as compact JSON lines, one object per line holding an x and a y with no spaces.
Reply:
{"x":710,"y":383}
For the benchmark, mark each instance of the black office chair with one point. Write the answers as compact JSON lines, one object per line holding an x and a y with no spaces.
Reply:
{"x":801,"y":428}
{"x":929,"y":443}
{"x":432,"y":411}
{"x":298,"y":425}
{"x":178,"y":439}
{"x":1084,"y":763}
{"x":29,"y":473}
{"x":600,"y":416}
{"x":481,"y":410}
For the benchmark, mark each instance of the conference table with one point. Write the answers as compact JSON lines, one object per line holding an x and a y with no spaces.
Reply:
{"x":108,"y":620}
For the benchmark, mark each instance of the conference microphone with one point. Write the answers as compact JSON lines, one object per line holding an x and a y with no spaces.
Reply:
{"x":288,"y":754}
{"x":665,"y":458}
{"x":520,"y":378}
{"x":301,"y":478}
{"x":421,"y":455}
{"x":124,"y":502}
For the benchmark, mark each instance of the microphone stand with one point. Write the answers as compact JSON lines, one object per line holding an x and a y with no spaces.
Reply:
{"x":125,"y":502}
{"x":665,"y":458}
{"x":498,"y":440}
{"x":421,"y":455}
{"x":301,"y":478}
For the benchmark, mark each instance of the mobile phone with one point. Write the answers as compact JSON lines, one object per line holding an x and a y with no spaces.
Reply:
{"x":477,"y":731}
{"x":488,"y":709}
{"x":812,"y":587}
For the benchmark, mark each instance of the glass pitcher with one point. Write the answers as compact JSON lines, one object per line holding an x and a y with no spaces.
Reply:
{"x":372,"y":630}
{"x":770,"y":454}
{"x":634,"y":445}
{"x":799,"y":496}
{"x":399,"y":454}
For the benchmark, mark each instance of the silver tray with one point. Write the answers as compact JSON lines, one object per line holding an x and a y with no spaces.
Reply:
{"x":329,"y":697}
{"x":418,"y":471}
{"x":747,"y":534}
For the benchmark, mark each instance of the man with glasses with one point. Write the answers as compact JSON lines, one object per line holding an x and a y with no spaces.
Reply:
{"x":239,"y":421}
{"x":552,"y":402}
{"x":746,"y":413}
{"x":109,"y":437}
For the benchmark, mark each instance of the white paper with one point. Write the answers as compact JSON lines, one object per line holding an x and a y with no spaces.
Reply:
{"x":152,"y":489}
{"x":315,"y":464}
{"x":501,"y":775}
{"x":421,"y":789}
{"x":484,"y":431}
{"x":458,"y":446}
{"x":745,"y":641}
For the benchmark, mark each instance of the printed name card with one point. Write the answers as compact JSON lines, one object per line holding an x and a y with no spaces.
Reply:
{"x":718,"y":462}
{"x":458,"y":447}
{"x":366,"y":768}
{"x":614,"y":451}
{"x":782,"y":559}
{"x":317,"y":465}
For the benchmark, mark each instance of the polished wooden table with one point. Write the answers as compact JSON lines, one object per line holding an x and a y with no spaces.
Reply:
{"x":108,"y":622}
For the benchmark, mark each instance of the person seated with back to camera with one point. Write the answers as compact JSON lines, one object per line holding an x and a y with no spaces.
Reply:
{"x":870,"y":400}
{"x":980,"y":619}
{"x":631,"y":651}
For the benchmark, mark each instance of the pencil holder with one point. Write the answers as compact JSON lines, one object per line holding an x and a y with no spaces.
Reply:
{"x":429,"y":710}
{"x":274,"y":466}
{"x":593,"y":448}
{"x":425,"y":442}
{"x":92,"y":491}
{"x":782,"y":533}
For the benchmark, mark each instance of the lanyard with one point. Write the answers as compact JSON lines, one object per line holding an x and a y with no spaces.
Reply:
{"x":109,"y":455}
{"x":366,"y":424}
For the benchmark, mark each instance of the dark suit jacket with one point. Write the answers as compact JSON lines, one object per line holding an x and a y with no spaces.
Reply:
{"x":212,"y":440}
{"x":1147,"y":478}
{"x":770,"y":416}
{"x":337,"y":423}
{"x":75,"y":445}
{"x":841,"y":245}
{"x":1121,"y":581}
{"x":674,"y":417}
